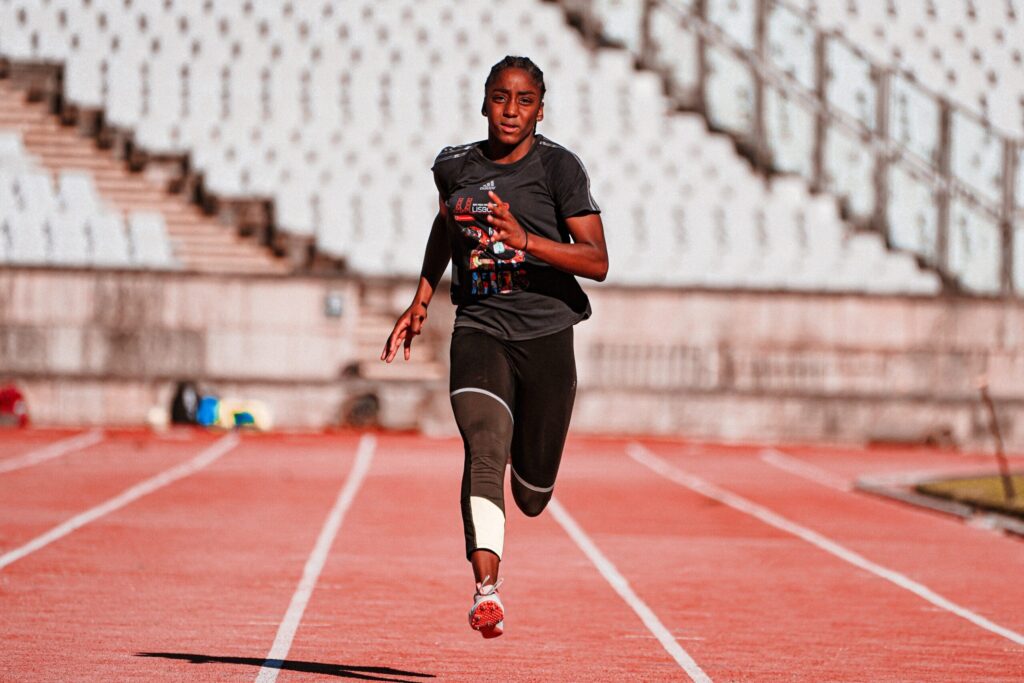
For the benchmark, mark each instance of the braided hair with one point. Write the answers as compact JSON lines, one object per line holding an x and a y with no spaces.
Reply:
{"x":524,"y":63}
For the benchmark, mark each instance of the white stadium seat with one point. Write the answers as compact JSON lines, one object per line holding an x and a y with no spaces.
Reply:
{"x":8,"y":197}
{"x":151,"y":246}
{"x":110,"y":246}
{"x":78,"y":193}
{"x":11,"y":147}
{"x":69,"y":241}
{"x":29,"y":243}
{"x":16,"y":29}
{"x":36,"y":193}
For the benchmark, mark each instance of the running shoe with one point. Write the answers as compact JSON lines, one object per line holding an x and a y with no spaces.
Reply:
{"x":488,"y":614}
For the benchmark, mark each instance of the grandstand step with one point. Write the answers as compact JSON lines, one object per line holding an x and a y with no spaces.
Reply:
{"x":29,"y":124}
{"x":48,"y":142}
{"x":235,"y":256}
{"x":197,"y":224}
{"x":412,"y":371}
{"x":250,"y":268}
{"x":223,"y":265}
{"x":206,"y":231}
{"x":193,"y":250}
{"x":202,"y":241}
{"x":70,"y":154}
{"x":205,"y":242}
{"x":134,"y":199}
{"x":199,"y":242}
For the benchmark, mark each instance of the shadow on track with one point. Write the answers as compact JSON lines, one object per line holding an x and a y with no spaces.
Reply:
{"x":363,"y":673}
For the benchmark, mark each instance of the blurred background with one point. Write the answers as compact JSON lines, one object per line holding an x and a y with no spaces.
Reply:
{"x":814,"y":209}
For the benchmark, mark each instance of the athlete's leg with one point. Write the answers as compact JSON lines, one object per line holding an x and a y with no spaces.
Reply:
{"x":481,"y":395}
{"x":545,"y":393}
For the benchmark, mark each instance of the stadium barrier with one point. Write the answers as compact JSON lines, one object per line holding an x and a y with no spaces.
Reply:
{"x":104,"y":347}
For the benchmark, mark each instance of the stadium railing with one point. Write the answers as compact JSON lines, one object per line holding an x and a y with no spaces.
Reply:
{"x":908,"y":161}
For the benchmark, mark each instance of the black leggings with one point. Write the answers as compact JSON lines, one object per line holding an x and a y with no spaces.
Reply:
{"x":512,"y":401}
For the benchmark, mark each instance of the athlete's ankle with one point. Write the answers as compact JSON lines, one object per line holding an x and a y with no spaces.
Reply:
{"x":485,"y":566}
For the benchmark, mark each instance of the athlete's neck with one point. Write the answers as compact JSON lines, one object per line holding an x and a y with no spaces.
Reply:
{"x":500,"y":153}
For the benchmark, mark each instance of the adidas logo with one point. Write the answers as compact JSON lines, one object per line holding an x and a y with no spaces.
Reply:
{"x":489,"y":185}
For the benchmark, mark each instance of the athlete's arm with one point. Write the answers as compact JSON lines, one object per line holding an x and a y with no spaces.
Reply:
{"x":586,"y":256}
{"x":435,"y":261}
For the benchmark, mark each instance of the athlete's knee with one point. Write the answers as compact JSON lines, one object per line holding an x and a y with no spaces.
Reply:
{"x":530,"y":494}
{"x":531,"y":503}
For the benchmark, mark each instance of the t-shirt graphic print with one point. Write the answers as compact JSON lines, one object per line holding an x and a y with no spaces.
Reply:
{"x":493,"y":267}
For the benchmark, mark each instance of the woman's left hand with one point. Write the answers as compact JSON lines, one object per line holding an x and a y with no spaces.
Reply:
{"x":505,"y":227}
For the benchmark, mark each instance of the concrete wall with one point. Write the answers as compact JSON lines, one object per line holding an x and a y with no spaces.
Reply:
{"x":103,"y":347}
{"x":798,"y":366}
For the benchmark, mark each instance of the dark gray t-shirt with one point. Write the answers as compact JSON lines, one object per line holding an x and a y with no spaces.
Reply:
{"x":499,"y":289}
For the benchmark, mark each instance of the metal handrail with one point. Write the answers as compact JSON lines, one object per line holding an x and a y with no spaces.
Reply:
{"x":891,"y":149}
{"x":886,"y":150}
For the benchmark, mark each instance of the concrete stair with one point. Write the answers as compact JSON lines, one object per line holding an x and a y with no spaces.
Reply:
{"x":200,"y":242}
{"x":372,"y":331}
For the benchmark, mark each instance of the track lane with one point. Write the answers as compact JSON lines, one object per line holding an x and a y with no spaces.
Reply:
{"x":200,"y":574}
{"x":759,"y":604}
{"x":52,"y":451}
{"x":15,"y":443}
{"x":200,"y":571}
{"x":391,"y":602}
{"x":204,"y":458}
{"x":35,"y":499}
{"x":278,"y":654}
{"x":950,"y":557}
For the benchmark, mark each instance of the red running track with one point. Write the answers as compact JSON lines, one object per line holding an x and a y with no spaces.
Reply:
{"x":192,"y":580}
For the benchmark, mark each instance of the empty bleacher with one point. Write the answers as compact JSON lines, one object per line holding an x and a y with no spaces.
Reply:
{"x":66,"y":224}
{"x":969,"y":49}
{"x":65,"y":202}
{"x":910,"y":112}
{"x":335,"y":110}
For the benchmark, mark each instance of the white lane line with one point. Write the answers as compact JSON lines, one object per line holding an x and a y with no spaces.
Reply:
{"x":180,"y":471}
{"x":51,"y":451}
{"x":625,"y":591}
{"x":709,"y":490}
{"x":315,"y":564}
{"x":804,"y":470}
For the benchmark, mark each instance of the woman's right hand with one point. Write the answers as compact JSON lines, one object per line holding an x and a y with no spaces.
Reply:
{"x":408,"y":325}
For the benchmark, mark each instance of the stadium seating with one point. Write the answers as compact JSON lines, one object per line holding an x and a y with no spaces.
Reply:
{"x":336,"y":110}
{"x":67,"y":225}
{"x":964,"y":52}
{"x":970,"y":50}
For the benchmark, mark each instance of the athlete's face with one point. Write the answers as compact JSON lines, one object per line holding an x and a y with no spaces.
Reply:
{"x":513,"y":107}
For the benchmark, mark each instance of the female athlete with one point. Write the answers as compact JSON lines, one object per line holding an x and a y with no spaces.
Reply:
{"x":517,"y":219}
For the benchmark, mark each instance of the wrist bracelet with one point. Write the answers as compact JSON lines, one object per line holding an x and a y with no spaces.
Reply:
{"x":527,"y":243}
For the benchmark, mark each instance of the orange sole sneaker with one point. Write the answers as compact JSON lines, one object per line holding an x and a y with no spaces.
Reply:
{"x":488,"y":618}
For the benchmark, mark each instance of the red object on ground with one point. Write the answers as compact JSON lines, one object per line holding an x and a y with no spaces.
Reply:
{"x":13,"y":408}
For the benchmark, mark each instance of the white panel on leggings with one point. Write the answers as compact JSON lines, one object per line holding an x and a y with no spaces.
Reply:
{"x":488,"y":523}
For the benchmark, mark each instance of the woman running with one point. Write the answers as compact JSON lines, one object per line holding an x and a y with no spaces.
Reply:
{"x":517,"y":219}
